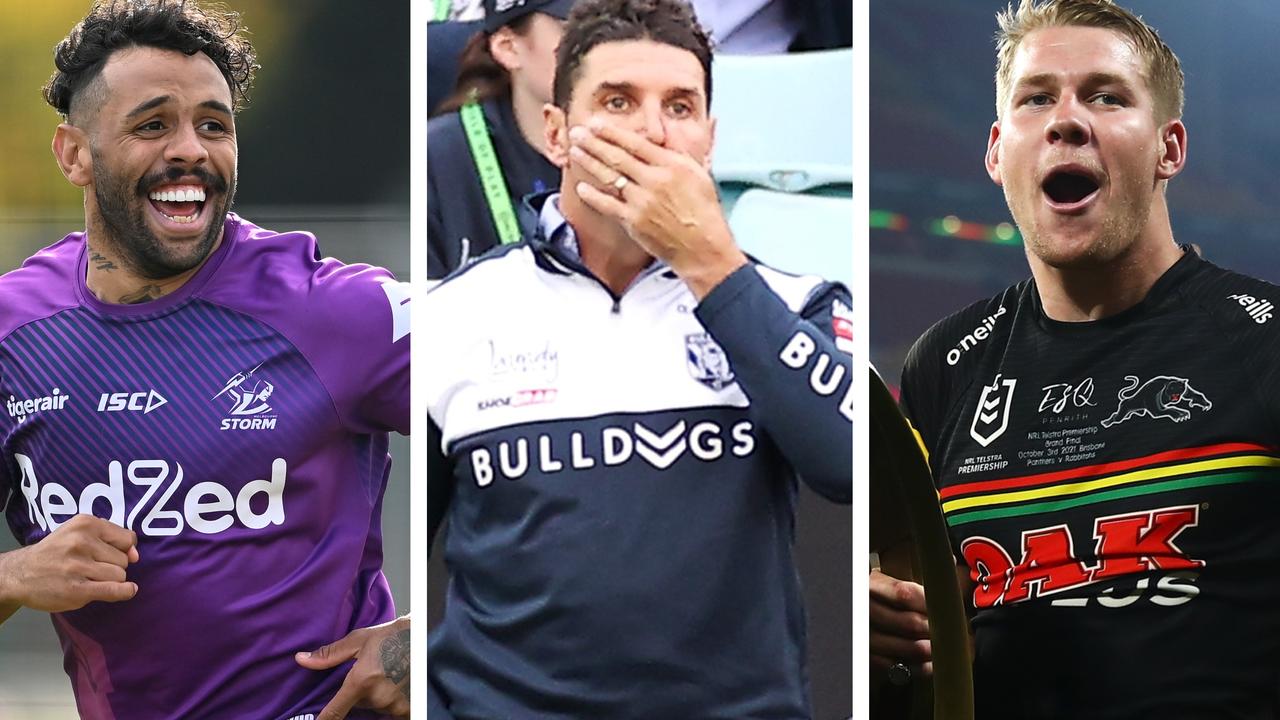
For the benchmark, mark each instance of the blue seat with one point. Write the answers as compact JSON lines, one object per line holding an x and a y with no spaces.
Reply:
{"x":797,"y":233}
{"x":784,"y":122}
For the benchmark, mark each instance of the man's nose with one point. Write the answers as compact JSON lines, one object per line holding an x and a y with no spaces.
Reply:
{"x":655,"y":126}
{"x":186,"y":147}
{"x":1068,"y":123}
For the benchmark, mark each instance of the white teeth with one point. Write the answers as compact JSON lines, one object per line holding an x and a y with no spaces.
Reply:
{"x":187,"y":194}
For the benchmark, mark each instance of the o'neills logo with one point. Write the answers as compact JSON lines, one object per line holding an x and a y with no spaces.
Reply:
{"x":20,"y":409}
{"x":705,"y":440}
{"x":977,"y":335}
{"x":1126,"y":544}
{"x":1257,"y":308}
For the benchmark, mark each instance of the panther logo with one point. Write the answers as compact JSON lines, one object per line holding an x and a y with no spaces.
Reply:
{"x":1163,"y":396}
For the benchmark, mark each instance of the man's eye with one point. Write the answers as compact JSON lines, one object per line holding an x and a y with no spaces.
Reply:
{"x":213,"y":126}
{"x":1038,"y":100}
{"x":681,"y":109}
{"x":152,"y":126}
{"x":617,"y":102}
{"x":1108,"y":99}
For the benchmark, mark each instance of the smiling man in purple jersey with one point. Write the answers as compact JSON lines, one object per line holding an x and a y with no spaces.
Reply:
{"x":190,"y":455}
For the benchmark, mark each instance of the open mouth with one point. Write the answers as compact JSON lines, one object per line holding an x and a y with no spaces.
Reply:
{"x":181,"y":204}
{"x":1070,"y":187}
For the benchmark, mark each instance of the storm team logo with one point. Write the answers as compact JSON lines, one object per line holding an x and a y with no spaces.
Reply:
{"x":1163,"y":396}
{"x":250,"y":407}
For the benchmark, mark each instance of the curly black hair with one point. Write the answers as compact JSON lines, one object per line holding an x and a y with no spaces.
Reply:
{"x":181,"y":25}
{"x":594,"y":22}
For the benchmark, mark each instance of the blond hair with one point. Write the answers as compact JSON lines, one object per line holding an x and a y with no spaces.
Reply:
{"x":1163,"y":72}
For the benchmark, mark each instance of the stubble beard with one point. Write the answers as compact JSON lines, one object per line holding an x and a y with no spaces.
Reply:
{"x":121,"y":208}
{"x":1119,"y":231}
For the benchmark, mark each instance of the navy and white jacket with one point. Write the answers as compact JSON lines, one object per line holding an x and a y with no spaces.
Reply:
{"x":619,"y":475}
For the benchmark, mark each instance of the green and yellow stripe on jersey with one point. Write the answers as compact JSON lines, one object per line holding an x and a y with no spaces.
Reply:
{"x":1220,"y":464}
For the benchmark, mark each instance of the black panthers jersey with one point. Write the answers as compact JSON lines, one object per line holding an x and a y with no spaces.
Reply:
{"x":1107,"y":486}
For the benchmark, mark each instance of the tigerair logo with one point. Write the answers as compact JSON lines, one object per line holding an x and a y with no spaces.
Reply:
{"x":705,"y":440}
{"x":20,"y":410}
{"x":1125,"y":545}
{"x":166,"y":507}
{"x":975,"y":336}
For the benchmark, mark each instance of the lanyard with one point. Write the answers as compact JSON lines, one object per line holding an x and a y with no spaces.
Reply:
{"x":441,"y":10}
{"x":491,"y":179}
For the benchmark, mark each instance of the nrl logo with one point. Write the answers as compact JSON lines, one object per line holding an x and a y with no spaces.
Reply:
{"x":991,"y":417}
{"x":1163,"y":396}
{"x":707,"y":362}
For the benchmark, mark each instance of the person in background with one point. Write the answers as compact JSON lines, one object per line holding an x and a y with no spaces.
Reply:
{"x":486,"y":152}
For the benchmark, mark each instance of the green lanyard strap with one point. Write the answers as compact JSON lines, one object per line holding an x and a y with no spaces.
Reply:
{"x":441,"y":10}
{"x":491,"y":179}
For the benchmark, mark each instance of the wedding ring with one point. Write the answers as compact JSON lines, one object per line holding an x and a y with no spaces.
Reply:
{"x":899,"y":674}
{"x":621,"y":183}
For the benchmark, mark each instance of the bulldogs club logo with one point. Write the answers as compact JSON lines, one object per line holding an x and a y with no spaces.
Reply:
{"x":1163,"y":396}
{"x":991,"y":417}
{"x":707,"y":362}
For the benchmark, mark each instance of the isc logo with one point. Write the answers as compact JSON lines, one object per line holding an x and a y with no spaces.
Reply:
{"x":143,"y":401}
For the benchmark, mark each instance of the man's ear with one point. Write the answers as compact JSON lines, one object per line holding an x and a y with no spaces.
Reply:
{"x":71,"y":150}
{"x":993,"y":154}
{"x":1173,"y":150}
{"x":555,"y":135}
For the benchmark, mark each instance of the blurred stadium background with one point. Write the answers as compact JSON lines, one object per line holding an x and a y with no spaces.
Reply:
{"x":941,"y":235}
{"x":784,"y":164}
{"x":323,"y":147}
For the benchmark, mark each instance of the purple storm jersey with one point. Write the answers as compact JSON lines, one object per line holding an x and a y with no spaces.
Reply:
{"x":239,"y":427}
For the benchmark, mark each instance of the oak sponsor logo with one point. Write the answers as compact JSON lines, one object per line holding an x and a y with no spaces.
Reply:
{"x":166,"y":508}
{"x":991,"y":417}
{"x":21,"y":409}
{"x":1125,"y":545}
{"x":975,"y":336}
{"x":1257,"y":308}
{"x":705,"y":440}
{"x":143,"y":401}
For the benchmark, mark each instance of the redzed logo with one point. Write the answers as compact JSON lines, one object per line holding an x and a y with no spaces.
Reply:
{"x":1125,"y":544}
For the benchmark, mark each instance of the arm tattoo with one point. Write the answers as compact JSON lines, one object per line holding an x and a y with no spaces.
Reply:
{"x":143,"y":294}
{"x":395,"y":660}
{"x":102,"y":262}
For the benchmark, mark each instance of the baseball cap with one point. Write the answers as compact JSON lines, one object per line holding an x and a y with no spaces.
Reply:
{"x":502,"y":12}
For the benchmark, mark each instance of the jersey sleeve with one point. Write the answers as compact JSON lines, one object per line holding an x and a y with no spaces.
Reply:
{"x":795,"y":367}
{"x":439,"y":482}
{"x":363,"y":315}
